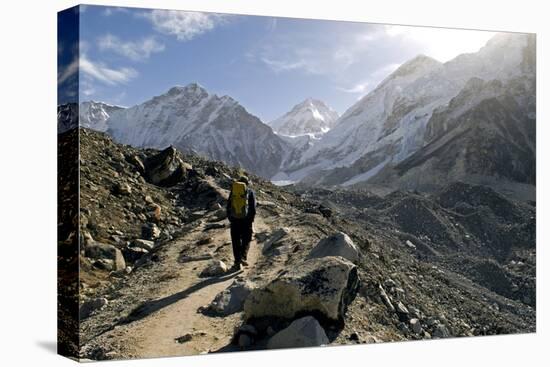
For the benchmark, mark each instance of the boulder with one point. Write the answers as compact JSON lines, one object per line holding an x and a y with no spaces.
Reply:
{"x":275,"y":237}
{"x":441,"y":331}
{"x":144,"y":244}
{"x":133,"y":254}
{"x":122,"y":189}
{"x":101,"y":251}
{"x":415,"y":326}
{"x":89,"y":307}
{"x":338,"y":244}
{"x":245,"y":340}
{"x":304,"y":332}
{"x":385,"y":298}
{"x":213,"y":269}
{"x":153,"y":212}
{"x":136,"y":161}
{"x":401,"y":309}
{"x":166,"y":168}
{"x":231,"y":300}
{"x":219,"y":214}
{"x":150,"y":231}
{"x":321,"y":286}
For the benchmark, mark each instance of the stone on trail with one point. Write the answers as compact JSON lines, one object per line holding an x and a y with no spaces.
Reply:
{"x":338,"y":244}
{"x":231,"y":300}
{"x":184,"y":338}
{"x":304,"y":332}
{"x":323,"y":286}
{"x":213,"y":269}
{"x":210,"y":226}
{"x":101,"y":251}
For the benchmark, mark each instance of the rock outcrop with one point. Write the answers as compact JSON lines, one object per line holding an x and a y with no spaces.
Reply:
{"x":166,"y":168}
{"x":338,"y":244}
{"x":323,"y":287}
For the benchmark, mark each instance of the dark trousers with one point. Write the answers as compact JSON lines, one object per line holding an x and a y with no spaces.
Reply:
{"x":241,"y":235}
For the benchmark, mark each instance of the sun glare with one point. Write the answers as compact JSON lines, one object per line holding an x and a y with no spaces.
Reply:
{"x":442,"y":44}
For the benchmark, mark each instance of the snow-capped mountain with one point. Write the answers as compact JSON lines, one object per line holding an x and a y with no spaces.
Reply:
{"x":67,"y":117}
{"x":94,"y":115}
{"x":389,"y":124}
{"x":191,"y":119}
{"x":311,"y":116}
{"x":485,"y":135}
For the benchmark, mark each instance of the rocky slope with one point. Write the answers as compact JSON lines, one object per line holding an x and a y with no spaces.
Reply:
{"x":345,"y":267}
{"x":194,"y":120}
{"x":311,"y":116}
{"x":404,"y":113}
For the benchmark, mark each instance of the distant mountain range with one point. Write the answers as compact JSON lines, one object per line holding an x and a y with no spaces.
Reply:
{"x":426,"y":124}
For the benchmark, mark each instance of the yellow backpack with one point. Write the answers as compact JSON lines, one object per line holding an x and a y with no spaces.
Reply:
{"x":239,"y":199}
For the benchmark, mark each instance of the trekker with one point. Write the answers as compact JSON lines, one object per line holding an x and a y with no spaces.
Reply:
{"x":241,"y":210}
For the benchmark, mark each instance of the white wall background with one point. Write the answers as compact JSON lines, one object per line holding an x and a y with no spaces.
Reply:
{"x":28,"y":181}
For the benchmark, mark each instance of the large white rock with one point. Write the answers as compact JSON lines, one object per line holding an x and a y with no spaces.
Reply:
{"x":304,"y":332}
{"x":321,"y":286}
{"x":232,"y":299}
{"x":338,"y":244}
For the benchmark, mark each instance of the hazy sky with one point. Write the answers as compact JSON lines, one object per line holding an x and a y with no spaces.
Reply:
{"x":268,"y":64}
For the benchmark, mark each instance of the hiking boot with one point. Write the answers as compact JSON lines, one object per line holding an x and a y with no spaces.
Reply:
{"x":236,"y":267}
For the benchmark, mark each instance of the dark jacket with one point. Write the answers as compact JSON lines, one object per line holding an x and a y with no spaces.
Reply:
{"x":251,"y":213}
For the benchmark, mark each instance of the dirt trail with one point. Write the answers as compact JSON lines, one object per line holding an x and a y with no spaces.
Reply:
{"x":156,"y":330}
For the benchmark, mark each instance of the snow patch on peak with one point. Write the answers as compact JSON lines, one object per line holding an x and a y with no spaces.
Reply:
{"x":311,"y":116}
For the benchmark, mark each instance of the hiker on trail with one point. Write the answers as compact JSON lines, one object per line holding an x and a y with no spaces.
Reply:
{"x":241,"y":210}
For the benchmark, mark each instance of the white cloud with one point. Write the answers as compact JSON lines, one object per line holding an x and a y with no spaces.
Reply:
{"x":67,"y":72}
{"x":442,"y":44}
{"x":283,"y":65}
{"x":136,"y":51}
{"x":330,"y":53}
{"x":184,"y":25}
{"x":104,"y":73}
{"x":112,"y":10}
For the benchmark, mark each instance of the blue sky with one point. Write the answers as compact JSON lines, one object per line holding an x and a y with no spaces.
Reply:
{"x":129,"y":55}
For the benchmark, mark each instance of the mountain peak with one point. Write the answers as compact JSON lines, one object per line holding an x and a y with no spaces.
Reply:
{"x":420,"y":63}
{"x":311,"y":116}
{"x":191,"y":88}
